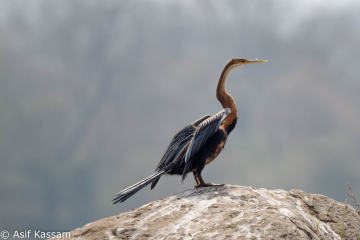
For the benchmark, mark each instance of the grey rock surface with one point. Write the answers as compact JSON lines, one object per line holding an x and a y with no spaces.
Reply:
{"x":230,"y":212}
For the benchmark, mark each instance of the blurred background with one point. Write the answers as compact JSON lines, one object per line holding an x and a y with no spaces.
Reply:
{"x":91,"y":93}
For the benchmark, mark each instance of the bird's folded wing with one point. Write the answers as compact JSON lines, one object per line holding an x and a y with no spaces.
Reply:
{"x":202,"y":134}
{"x":178,"y":142}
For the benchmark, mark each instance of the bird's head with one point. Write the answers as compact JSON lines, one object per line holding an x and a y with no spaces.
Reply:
{"x":231,"y":65}
{"x":237,"y":62}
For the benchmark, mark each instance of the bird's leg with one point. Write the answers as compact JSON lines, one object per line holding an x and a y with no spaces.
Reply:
{"x":200,"y":182}
{"x":196,"y":179}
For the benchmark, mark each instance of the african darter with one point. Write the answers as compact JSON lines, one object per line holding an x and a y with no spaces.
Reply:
{"x":197,"y":144}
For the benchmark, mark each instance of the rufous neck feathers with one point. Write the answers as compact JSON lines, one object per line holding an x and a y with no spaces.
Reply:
{"x":224,"y":98}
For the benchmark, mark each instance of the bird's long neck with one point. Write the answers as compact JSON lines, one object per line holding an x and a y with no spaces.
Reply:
{"x":226,"y":99}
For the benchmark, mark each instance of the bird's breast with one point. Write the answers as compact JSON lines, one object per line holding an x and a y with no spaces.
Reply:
{"x":215,"y":153}
{"x":219,"y":141}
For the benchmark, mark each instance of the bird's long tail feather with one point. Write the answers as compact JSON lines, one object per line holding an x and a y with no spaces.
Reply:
{"x":128,"y":192}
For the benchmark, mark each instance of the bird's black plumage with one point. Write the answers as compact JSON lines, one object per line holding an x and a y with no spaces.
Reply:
{"x":179,"y":139}
{"x":177,"y":144}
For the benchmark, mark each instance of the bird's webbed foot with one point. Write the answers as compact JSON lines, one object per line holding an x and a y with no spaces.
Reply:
{"x":208,"y":185}
{"x":200,"y":182}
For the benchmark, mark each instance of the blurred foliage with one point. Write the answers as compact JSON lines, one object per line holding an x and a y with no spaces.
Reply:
{"x":91,"y":93}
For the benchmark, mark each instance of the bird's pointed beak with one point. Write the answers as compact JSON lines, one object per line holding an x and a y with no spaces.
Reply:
{"x":254,"y":61}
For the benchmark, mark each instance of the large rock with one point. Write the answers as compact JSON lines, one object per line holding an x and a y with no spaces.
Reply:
{"x":230,"y":212}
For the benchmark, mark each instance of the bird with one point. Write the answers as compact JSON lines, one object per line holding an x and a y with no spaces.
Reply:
{"x":197,"y":144}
